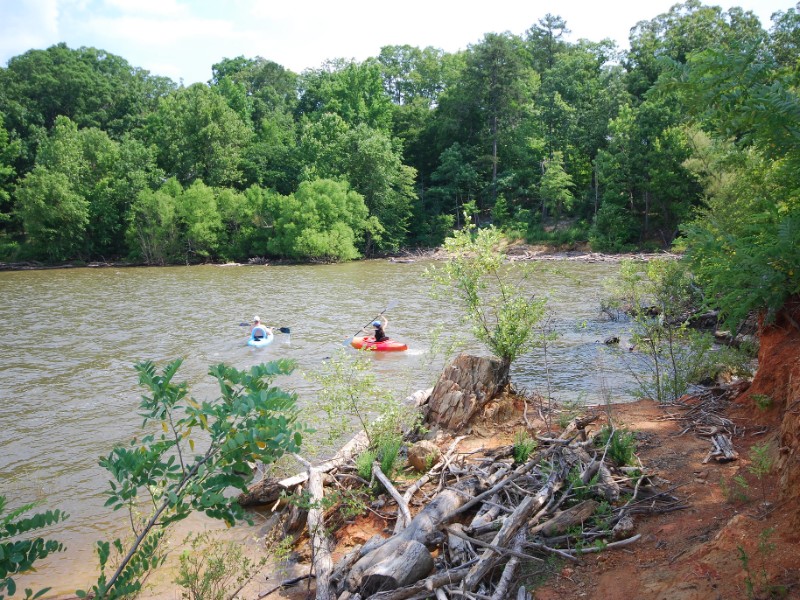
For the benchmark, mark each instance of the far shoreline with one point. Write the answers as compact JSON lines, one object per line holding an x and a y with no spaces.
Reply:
{"x":516,"y":252}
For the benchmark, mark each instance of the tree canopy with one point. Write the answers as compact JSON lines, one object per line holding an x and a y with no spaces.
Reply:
{"x":531,"y":131}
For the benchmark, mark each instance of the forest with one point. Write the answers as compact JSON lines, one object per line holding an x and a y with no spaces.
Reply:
{"x":551,"y":141}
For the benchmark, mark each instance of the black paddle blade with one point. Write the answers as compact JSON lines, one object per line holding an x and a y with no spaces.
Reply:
{"x":284,"y":330}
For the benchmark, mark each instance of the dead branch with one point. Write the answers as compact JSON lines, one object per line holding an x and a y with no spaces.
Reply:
{"x":321,"y":562}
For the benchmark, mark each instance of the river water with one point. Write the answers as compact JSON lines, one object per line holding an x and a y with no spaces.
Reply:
{"x":69,"y":339}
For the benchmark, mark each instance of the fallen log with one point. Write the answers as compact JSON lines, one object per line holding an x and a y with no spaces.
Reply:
{"x":566,"y":519}
{"x":392,"y":566}
{"x":404,"y":515}
{"x":422,"y":589}
{"x":724,"y":451}
{"x":511,"y":566}
{"x":427,"y":521}
{"x":321,"y":552}
{"x":459,"y":550}
{"x":269,"y":491}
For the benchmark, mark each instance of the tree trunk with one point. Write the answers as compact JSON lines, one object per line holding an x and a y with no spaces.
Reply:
{"x":381,"y":566}
{"x":464,"y":388}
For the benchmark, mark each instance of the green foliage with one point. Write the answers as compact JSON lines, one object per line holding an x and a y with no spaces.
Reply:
{"x":214,"y":569}
{"x":364,"y":464}
{"x":661,"y":295}
{"x":152,"y":232}
{"x":556,"y":186}
{"x":501,"y":314}
{"x":323,"y":220}
{"x":523,"y":447}
{"x":199,"y":136}
{"x":19,"y":551}
{"x":602,"y":515}
{"x":762,"y":401}
{"x":621,"y":445}
{"x":761,"y":463}
{"x":743,"y":245}
{"x":251,"y":421}
{"x":756,"y":577}
{"x":568,"y":410}
{"x":350,"y":397}
{"x":735,"y":490}
{"x":582,"y":491}
{"x":388,"y":448}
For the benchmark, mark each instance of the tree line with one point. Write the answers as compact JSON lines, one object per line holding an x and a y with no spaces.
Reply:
{"x":545,"y":138}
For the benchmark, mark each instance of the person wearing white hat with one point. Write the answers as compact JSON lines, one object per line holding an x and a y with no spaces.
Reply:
{"x":258,"y":331}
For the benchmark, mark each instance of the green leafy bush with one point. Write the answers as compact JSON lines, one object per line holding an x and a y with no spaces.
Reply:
{"x":18,"y":551}
{"x":502,"y":316}
{"x":524,"y":445}
{"x":621,"y":447}
{"x":202,"y":450}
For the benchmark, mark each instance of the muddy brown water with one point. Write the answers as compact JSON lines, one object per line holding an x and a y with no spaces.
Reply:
{"x":69,"y":339}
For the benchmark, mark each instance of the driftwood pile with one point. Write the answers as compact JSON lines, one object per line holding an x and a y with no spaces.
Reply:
{"x":481,"y":516}
{"x":703,"y":414}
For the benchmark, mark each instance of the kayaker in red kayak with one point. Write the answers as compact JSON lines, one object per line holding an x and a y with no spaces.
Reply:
{"x":379,"y":326}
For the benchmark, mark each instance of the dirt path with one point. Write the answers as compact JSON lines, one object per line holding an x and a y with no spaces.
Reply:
{"x":692,"y":554}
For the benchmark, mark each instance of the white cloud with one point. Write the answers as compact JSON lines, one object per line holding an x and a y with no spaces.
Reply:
{"x":161,"y":32}
{"x":183,"y":38}
{"x":167,"y":8}
{"x":26,"y":25}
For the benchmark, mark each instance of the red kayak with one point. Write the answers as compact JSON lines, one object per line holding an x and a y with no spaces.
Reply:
{"x":369,"y":343}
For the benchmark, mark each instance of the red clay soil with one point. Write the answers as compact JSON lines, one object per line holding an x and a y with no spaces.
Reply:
{"x":694,"y":554}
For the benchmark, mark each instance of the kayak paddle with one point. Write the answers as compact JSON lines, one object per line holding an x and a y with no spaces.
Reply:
{"x":390,"y":306}
{"x":281,"y":329}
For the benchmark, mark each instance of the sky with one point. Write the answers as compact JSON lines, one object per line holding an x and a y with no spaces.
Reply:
{"x":182,"y":39}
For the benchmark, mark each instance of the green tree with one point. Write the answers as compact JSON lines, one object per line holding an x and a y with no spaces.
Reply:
{"x":556,"y":185}
{"x":323,"y":220}
{"x":53,"y":215}
{"x":685,"y":28}
{"x":199,"y":136}
{"x":9,"y":150}
{"x":455,"y":184}
{"x":200,"y":451}
{"x":92,"y":87}
{"x":199,"y":221}
{"x":354,"y":91}
{"x":645,"y":188}
{"x":372,"y":164}
{"x":743,"y":245}
{"x":152,"y":234}
{"x":503,"y":316}
{"x":545,"y":41}
{"x":94,"y":179}
{"x":500,"y":86}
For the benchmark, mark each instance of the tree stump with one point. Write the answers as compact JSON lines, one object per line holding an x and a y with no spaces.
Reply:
{"x":464,"y":388}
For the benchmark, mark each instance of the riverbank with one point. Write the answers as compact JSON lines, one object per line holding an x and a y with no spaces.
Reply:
{"x":729,"y":536}
{"x":693,"y":553}
{"x":515,"y":251}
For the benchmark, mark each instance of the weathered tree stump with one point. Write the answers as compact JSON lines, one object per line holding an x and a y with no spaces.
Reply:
{"x":464,"y":388}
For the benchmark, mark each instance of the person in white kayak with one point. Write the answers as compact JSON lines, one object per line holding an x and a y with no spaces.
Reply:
{"x":259,"y":331}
